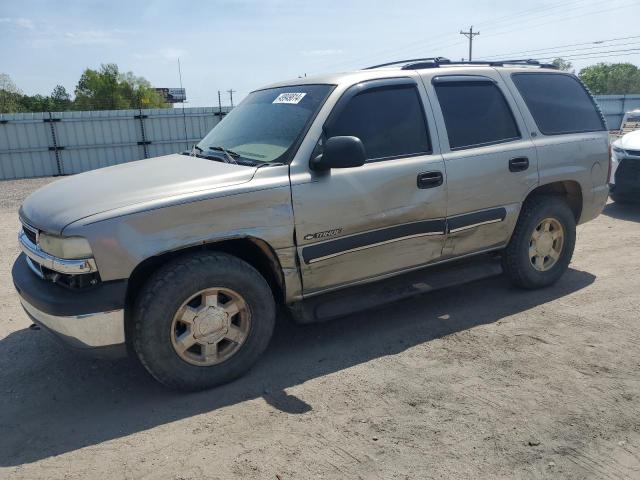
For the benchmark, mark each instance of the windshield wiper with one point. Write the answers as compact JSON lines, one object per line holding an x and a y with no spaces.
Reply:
{"x":230,"y":154}
{"x":269,"y":164}
{"x":228,"y":157}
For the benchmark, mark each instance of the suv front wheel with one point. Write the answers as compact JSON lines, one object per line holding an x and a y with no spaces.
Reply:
{"x":202,"y":320}
{"x":542,"y":244}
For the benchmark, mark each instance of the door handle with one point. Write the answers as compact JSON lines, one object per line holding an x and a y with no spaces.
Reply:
{"x":518,"y":164}
{"x":430,"y":179}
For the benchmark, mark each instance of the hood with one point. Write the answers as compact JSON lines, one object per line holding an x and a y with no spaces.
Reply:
{"x":60,"y":203}
{"x":630,"y":141}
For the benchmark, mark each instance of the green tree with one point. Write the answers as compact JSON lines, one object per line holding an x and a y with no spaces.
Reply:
{"x":60,"y":99}
{"x":35,"y":103}
{"x":108,"y":89}
{"x":562,"y":64}
{"x":10,"y":95}
{"x":611,"y":78}
{"x":140,"y":92}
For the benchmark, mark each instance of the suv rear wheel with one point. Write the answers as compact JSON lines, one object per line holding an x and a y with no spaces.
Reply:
{"x":542,"y":243}
{"x":202,"y":320}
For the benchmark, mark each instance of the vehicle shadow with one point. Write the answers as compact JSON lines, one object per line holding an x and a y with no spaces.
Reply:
{"x":627,"y":211}
{"x":52,"y":401}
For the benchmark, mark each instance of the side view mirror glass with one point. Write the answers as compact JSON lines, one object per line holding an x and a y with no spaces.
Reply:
{"x":340,"y":152}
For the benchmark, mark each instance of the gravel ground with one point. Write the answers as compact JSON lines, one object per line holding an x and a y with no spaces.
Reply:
{"x":477,"y":381}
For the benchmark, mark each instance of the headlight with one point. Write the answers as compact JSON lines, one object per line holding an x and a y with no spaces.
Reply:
{"x":618,"y":152}
{"x":65,"y":247}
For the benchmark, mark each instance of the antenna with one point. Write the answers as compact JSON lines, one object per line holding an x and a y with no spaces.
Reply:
{"x":184,"y":115}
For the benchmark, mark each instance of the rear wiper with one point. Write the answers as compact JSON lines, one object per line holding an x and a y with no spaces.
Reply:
{"x":230,"y":154}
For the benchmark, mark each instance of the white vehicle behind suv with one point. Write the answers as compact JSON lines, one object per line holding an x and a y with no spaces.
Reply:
{"x":624,"y":183}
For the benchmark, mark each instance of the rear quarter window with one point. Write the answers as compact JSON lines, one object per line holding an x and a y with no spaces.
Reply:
{"x":559,"y":103}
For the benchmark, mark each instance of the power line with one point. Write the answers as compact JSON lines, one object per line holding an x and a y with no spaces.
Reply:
{"x":542,"y":50}
{"x":560,"y":53}
{"x":572,"y":17}
{"x":430,"y":43}
{"x":535,"y":11}
{"x":433,"y":44}
{"x":606,"y":56}
{"x":636,"y":50}
{"x":579,"y":5}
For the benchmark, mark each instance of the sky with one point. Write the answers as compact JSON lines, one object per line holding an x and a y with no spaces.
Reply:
{"x":245,"y":44}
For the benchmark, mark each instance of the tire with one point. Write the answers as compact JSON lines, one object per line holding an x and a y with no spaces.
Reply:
{"x":516,"y":260}
{"x":165,"y":295}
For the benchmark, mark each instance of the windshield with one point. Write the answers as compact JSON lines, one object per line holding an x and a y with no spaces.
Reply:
{"x":265,"y":126}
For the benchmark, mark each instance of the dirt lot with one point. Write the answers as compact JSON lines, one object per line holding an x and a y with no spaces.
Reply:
{"x":478,"y":381}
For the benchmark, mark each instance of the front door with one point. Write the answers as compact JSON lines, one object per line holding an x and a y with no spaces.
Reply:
{"x":490,"y":160}
{"x":356,"y":224}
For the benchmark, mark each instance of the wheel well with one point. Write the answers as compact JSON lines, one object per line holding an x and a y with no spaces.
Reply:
{"x":568,"y":189}
{"x":254,"y":251}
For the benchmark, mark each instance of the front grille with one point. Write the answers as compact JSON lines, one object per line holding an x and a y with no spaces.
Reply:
{"x":633,"y":153}
{"x":31,"y":234}
{"x":628,"y":171}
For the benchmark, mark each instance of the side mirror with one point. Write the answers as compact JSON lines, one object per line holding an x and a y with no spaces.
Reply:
{"x":340,"y":152}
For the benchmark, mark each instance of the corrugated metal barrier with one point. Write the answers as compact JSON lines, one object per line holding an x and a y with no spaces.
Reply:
{"x":63,"y":143}
{"x":614,"y":107}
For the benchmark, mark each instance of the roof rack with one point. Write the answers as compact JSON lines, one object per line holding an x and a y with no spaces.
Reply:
{"x":435,"y":62}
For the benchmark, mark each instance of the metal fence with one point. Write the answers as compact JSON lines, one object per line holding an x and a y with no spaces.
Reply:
{"x":63,"y":143}
{"x":615,"y":106}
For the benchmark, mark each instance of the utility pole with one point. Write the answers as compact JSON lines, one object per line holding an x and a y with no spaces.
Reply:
{"x":470,"y":34}
{"x":219,"y":104}
{"x":231,"y":96}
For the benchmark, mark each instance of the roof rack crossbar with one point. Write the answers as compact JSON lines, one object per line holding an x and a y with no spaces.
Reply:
{"x":411,"y":60}
{"x":435,"y":62}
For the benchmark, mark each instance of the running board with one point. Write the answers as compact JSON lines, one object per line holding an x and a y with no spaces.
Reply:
{"x":372,"y":295}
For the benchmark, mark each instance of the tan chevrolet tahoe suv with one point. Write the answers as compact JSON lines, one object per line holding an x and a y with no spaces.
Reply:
{"x":322,"y":195}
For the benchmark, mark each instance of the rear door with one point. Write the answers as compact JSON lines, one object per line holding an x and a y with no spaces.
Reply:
{"x":490,"y":160}
{"x":355,"y":224}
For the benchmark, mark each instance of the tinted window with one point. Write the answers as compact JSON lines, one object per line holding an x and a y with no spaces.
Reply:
{"x":558,"y":103}
{"x":475,"y":114}
{"x":389,"y":122}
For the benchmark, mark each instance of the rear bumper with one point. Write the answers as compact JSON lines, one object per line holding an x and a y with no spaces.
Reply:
{"x":89,"y":319}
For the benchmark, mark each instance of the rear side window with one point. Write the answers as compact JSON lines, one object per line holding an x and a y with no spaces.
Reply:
{"x":475,"y":114}
{"x":389,"y":121}
{"x":559,"y":103}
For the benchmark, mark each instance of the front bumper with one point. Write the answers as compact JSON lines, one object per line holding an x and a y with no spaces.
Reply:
{"x":88,"y":319}
{"x":625,"y":191}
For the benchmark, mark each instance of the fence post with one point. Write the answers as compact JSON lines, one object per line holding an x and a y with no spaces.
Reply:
{"x":55,"y":148}
{"x":144,"y":141}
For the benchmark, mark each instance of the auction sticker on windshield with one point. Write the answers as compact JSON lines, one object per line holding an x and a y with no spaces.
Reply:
{"x":289,"y":98}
